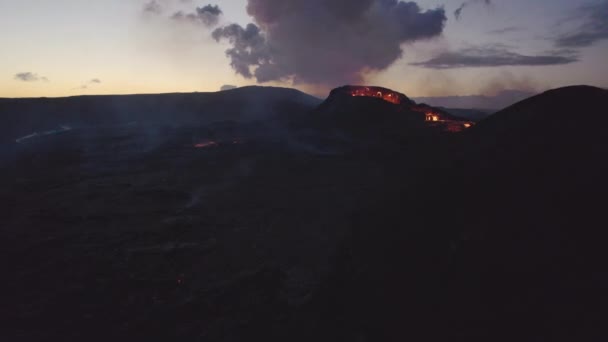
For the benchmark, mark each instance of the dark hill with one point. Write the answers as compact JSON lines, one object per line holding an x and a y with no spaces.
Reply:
{"x":560,"y":112}
{"x":25,"y":116}
{"x":500,"y":238}
{"x":558,"y":135}
{"x":364,"y":116}
{"x":378,"y":113}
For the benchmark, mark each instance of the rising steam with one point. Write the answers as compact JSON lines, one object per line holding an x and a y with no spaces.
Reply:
{"x":325,"y":42}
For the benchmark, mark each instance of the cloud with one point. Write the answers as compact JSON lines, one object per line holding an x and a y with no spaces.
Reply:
{"x":30,"y":77}
{"x":325,"y":42}
{"x":249,"y":49}
{"x":506,"y":30}
{"x":208,"y":15}
{"x":152,"y":7}
{"x":458,"y":11}
{"x":495,"y":56}
{"x":592,"y":28}
{"x":228,"y":87}
{"x":90,"y":82}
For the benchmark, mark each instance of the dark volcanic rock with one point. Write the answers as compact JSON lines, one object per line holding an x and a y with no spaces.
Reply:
{"x":145,"y":232}
{"x":21,"y":117}
{"x":501,"y":240}
{"x":367,"y":114}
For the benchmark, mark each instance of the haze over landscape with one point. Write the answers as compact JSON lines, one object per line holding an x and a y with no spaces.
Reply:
{"x":303,"y":170}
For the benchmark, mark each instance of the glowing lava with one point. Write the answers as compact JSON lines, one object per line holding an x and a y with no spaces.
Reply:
{"x":432,"y":116}
{"x":217,"y":143}
{"x":376,"y":92}
{"x":206,"y":144}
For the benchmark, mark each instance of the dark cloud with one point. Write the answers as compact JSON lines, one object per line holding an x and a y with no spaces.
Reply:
{"x":506,"y":30}
{"x":30,"y":77}
{"x":325,"y":42}
{"x":495,"y":56}
{"x":228,"y":87}
{"x":458,"y":11}
{"x":593,"y":27}
{"x":249,"y":49}
{"x":95,"y":80}
{"x":208,"y":15}
{"x":153,"y":7}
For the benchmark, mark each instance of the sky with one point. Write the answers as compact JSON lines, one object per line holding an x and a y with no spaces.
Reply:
{"x":54,"y":48}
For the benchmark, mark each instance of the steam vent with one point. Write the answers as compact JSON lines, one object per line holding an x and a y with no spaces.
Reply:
{"x":432,"y":116}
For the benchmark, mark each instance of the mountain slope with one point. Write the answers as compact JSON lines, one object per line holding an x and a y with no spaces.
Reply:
{"x":25,"y":116}
{"x":570,"y":109}
{"x":378,"y":113}
{"x":500,"y":238}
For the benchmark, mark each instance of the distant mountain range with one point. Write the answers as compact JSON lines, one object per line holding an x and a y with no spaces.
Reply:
{"x":493,"y":103}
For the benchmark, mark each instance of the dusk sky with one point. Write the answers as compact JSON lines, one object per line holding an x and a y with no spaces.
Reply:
{"x":73,"y":47}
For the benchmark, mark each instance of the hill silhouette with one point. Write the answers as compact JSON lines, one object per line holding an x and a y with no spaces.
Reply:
{"x":376,"y":113}
{"x":498,"y":239}
{"x":25,"y":116}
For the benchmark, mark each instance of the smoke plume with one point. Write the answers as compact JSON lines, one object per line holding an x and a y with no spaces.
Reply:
{"x":208,"y":15}
{"x":325,"y":42}
{"x":152,"y":7}
{"x":458,"y":12}
{"x":30,"y":77}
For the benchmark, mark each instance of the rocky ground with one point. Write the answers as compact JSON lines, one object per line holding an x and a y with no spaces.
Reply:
{"x":133,"y":231}
{"x":352,"y":224}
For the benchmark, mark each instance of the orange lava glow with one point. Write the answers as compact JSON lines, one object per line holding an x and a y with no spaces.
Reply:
{"x":371,"y":92}
{"x":454,"y":128}
{"x":206,"y":144}
{"x":433,"y":117}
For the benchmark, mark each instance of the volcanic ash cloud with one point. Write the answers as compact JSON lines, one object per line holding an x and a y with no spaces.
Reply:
{"x":325,"y":42}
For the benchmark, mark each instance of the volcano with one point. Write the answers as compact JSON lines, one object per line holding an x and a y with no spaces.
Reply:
{"x":377,"y":92}
{"x":519,"y":237}
{"x":378,"y":111}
